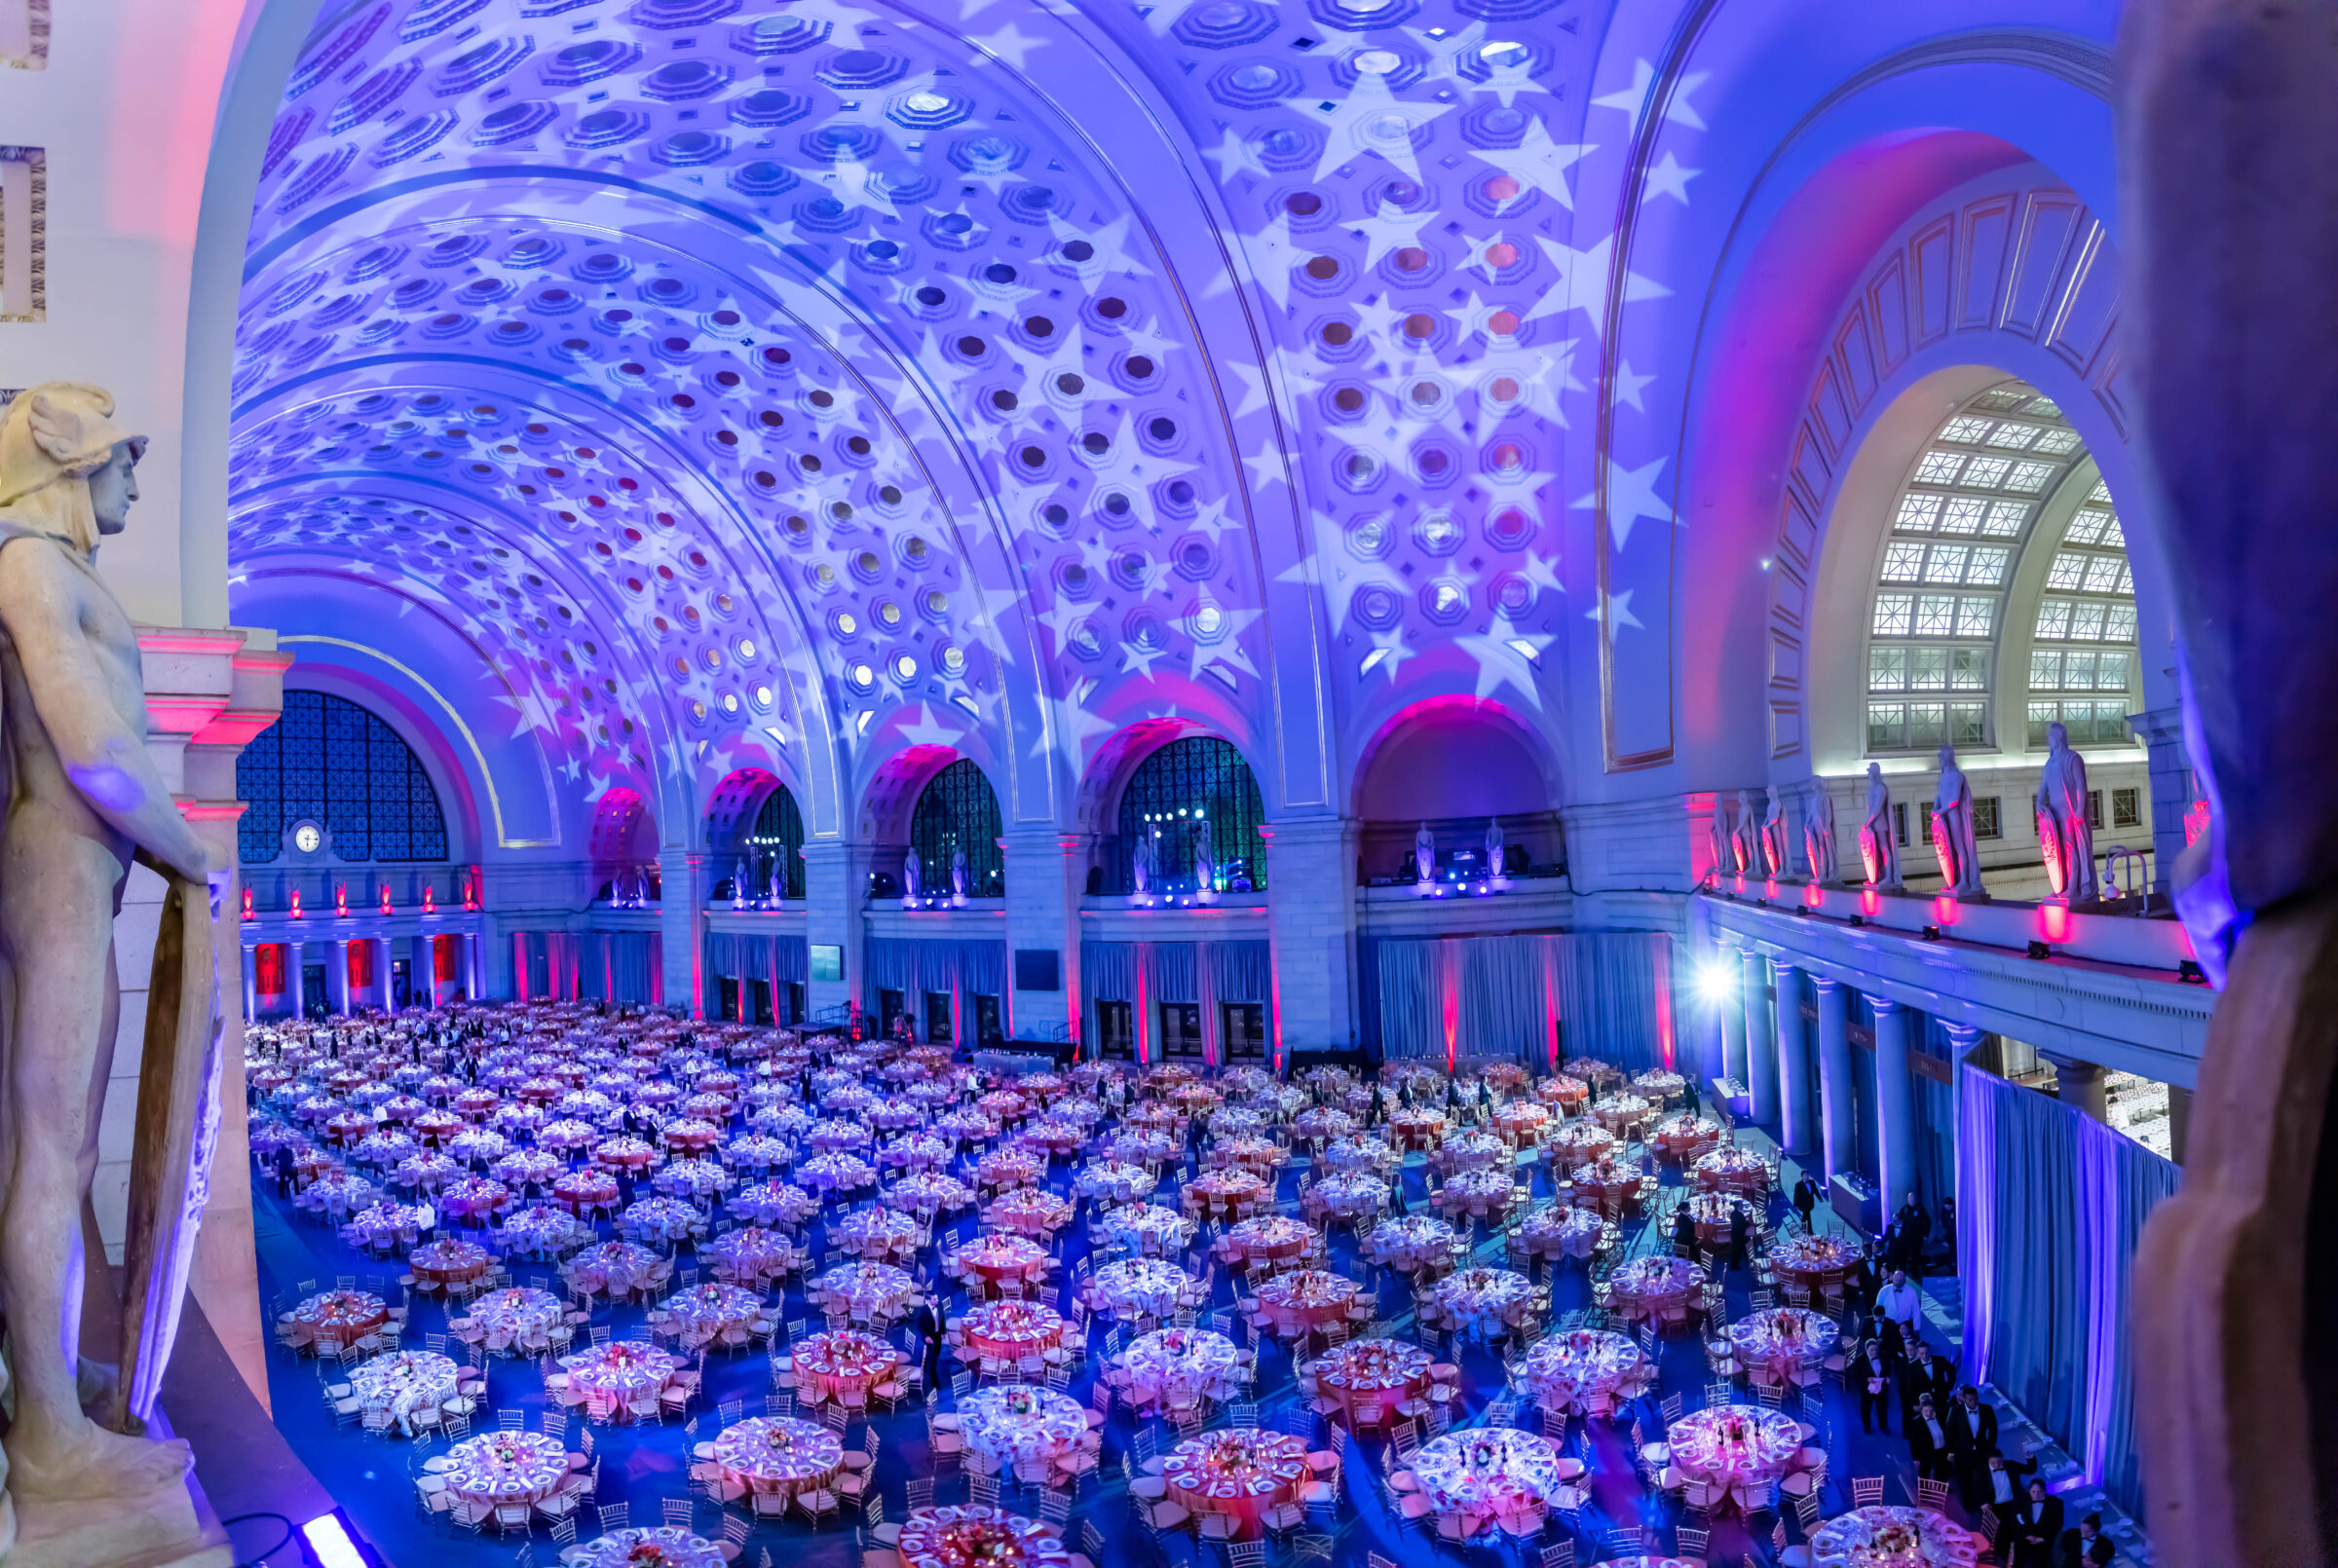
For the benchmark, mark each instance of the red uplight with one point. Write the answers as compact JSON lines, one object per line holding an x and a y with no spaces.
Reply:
{"x":1945,"y":910}
{"x":1815,"y":896}
{"x":2053,"y":921}
{"x":1870,"y":901}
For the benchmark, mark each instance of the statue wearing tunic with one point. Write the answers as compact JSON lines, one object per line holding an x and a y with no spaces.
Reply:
{"x":85,"y":801}
{"x":1878,"y":845}
{"x":1773,"y":836}
{"x":1741,"y":837}
{"x":958,"y":875}
{"x":1724,"y":853}
{"x":1205,"y":859}
{"x":1952,"y":840}
{"x":1424,"y":855}
{"x":1493,"y":846}
{"x":1140,"y":873}
{"x":913,"y":877}
{"x":1818,"y":834}
{"x":2064,"y":832}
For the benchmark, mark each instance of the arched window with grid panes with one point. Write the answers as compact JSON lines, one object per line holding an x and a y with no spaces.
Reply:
{"x":1948,"y":560}
{"x":1199,"y":778}
{"x":329,"y":760}
{"x":778,"y":836}
{"x":960,"y":810}
{"x":2081,"y":656}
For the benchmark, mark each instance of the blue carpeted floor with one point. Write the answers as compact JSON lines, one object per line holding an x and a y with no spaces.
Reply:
{"x":644,"y":1466}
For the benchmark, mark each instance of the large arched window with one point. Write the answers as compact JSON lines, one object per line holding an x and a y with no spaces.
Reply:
{"x":958,"y":810}
{"x":1949,"y":563}
{"x":1199,"y":778}
{"x":329,"y":760}
{"x":779,"y":831}
{"x":2082,"y":659}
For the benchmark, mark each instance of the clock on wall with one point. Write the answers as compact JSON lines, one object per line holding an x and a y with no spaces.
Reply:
{"x":308,"y":837}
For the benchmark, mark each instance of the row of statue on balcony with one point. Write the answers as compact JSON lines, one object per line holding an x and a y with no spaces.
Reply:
{"x":1744,"y":847}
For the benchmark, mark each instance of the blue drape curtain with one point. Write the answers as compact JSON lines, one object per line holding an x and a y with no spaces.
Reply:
{"x":1607,"y":994}
{"x":1240,"y":971}
{"x":615,"y":966}
{"x":2050,"y":1206}
{"x":1935,"y":1118}
{"x":1174,"y":975}
{"x":751,"y":956}
{"x":915,"y":966}
{"x":1108,"y":971}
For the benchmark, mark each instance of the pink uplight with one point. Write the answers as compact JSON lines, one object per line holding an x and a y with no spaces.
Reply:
{"x":2053,"y":922}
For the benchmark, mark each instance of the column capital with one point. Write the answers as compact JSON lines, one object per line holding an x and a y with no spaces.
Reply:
{"x":1883,"y":1005}
{"x":1966,"y":1035}
{"x":1782,"y":966}
{"x":2070,"y":1067}
{"x":1828,"y":984}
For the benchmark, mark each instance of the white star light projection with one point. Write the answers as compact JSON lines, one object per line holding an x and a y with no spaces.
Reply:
{"x":737,"y":372}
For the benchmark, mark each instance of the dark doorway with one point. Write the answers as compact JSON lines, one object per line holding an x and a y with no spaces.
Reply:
{"x":937,"y":1018}
{"x":1181,"y":1031}
{"x":1243,"y":1028}
{"x":1115,"y":1030}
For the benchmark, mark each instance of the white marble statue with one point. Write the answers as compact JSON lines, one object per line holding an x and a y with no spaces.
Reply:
{"x":1493,"y":846}
{"x":958,"y":875}
{"x":1818,"y":834}
{"x":1724,"y":853}
{"x":1424,"y":855}
{"x":2065,"y":834}
{"x":1878,"y":845}
{"x":1773,"y":836}
{"x":87,"y":801}
{"x":913,"y":877}
{"x":1142,"y":863}
{"x":1205,"y":859}
{"x":742,"y":893}
{"x":1742,"y":837}
{"x":1952,"y":840}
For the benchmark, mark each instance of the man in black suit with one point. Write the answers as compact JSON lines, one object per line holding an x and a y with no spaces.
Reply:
{"x":2087,"y":1546}
{"x":932,"y":1329}
{"x":1973,"y":1430}
{"x":2036,"y":1528}
{"x":1807,"y":1199}
{"x":1739,"y":1230}
{"x":1929,"y":1442}
{"x":1928,"y":1375}
{"x":280,"y":1162}
{"x":1684,"y":1232}
{"x":1870,"y":1374}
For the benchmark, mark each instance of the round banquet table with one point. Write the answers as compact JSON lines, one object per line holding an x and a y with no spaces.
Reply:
{"x":613,"y":1376}
{"x":1179,"y":1366}
{"x":426,"y":1172}
{"x":1257,"y":1155}
{"x":1322,"y":1123}
{"x":1345,"y":1197}
{"x":773,"y":1202}
{"x":1416,"y":1129}
{"x":1561,"y":1230}
{"x":1305,"y":1299}
{"x":1819,"y":1264}
{"x":1612,"y":1184}
{"x":1413,"y":1244}
{"x":337,"y":1318}
{"x":915,"y":1151}
{"x":843,"y":1361}
{"x":522,"y":1168}
{"x":1486,"y":1194}
{"x":615,"y":1268}
{"x":1884,"y":1537}
{"x":1269,"y":1238}
{"x":693,"y":1178}
{"x":1370,"y":1378}
{"x":624,"y":1153}
{"x":975,"y":1535}
{"x":667,"y":1546}
{"x":1010,"y":1330}
{"x":1711,"y":1213}
{"x":1149,"y":1229}
{"x":992,"y":1261}
{"x":1591,"y":1071}
{"x":516,"y":1311}
{"x":1784,"y":1344}
{"x":1052,"y":1139}
{"x":1362,"y":1154}
{"x":659,"y":1219}
{"x":1019,"y":1425}
{"x":758,"y":1151}
{"x":1562,"y":1091}
{"x":1620,"y":1112}
{"x":1473,"y":1151}
{"x":477,"y":1199}
{"x":1659,"y":1085}
{"x":1734,"y":1450}
{"x":1114,"y":1181}
{"x":835,"y":1172}
{"x":1140,"y":1146}
{"x":1032,"y":1211}
{"x":542,"y":1231}
{"x":830,"y":1136}
{"x":1585,"y":1371}
{"x":927,"y":1194}
{"x":1141,"y":1287}
{"x":1681,"y":1138}
{"x":403,"y":1382}
{"x":777,"y":1456}
{"x":702,"y":1313}
{"x":1230,"y":1194}
{"x":506,"y":1467}
{"x":1732,"y":1170}
{"x":866,"y":1290}
{"x":1578,"y":1142}
{"x":1484,"y":1474}
{"x":581,"y":1190}
{"x":1009,"y":1168}
{"x":447,"y":1262}
{"x":1239,"y":1473}
{"x":1653,"y":1286}
{"x":1520,"y":1122}
{"x":1487,"y":1303}
{"x":750,"y":1254}
{"x":879,"y":1234}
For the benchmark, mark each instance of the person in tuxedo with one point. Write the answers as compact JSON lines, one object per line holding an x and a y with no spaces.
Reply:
{"x":1972,"y":1429}
{"x":1739,"y":1229}
{"x":2087,"y":1546}
{"x":1684,"y":1232}
{"x":1867,"y":1275}
{"x":1806,"y":1200}
{"x":283,"y":1165}
{"x":1929,"y":1442}
{"x":1871,"y":1375}
{"x":1928,"y":1375}
{"x":1911,"y":1229}
{"x":2036,"y":1528}
{"x":1898,"y":1304}
{"x":931,"y":1330}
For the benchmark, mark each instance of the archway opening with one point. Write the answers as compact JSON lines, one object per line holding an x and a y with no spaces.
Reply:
{"x":1459,"y":767}
{"x":957,"y":815}
{"x":1193,"y":798}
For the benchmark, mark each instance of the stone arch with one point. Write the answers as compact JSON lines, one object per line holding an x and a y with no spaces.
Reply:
{"x":624,"y":832}
{"x":1456,"y":761}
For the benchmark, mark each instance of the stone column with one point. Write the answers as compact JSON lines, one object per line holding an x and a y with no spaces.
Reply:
{"x":1762,"y":1040}
{"x":1732,"y":1016}
{"x":251,"y":977}
{"x":1838,"y":1106}
{"x":836,"y":888}
{"x":295,"y":981}
{"x":685,"y":878}
{"x":2179,"y":1121}
{"x":387,"y":962}
{"x":1796,"y":1121}
{"x":2162,"y":732}
{"x":1046,"y":875}
{"x":1310,"y":924}
{"x":1894,"y":1104}
{"x":337,"y":975}
{"x":2079,"y":1083}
